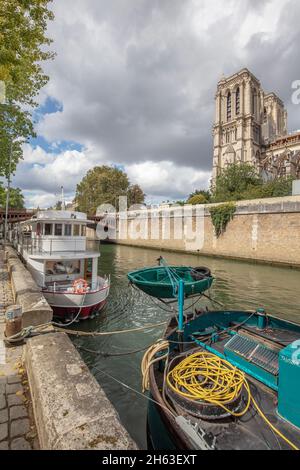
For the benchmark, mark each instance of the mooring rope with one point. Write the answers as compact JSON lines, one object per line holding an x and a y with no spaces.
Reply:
{"x":108,"y":333}
{"x":26,"y":332}
{"x":107,"y":354}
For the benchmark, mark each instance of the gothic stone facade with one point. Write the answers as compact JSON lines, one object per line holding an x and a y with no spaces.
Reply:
{"x":251,"y":126}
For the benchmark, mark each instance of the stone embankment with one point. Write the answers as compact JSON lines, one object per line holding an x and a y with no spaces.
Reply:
{"x":71,"y":409}
{"x":48,"y":397}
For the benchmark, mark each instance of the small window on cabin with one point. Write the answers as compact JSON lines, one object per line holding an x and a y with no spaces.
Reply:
{"x":48,"y":229}
{"x":83,"y":230}
{"x":68,"y":230}
{"x":58,"y":230}
{"x":76,"y":230}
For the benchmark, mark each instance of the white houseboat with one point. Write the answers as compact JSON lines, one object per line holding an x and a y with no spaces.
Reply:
{"x":53,"y":245}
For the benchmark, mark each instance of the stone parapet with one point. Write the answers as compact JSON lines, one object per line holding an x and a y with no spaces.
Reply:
{"x":71,"y":409}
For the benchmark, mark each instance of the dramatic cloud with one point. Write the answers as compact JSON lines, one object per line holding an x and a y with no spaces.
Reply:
{"x":166,"y":179}
{"x":133,"y":84}
{"x":47,"y":172}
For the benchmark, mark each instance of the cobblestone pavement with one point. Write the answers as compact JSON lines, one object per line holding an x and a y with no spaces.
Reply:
{"x":17,"y":429}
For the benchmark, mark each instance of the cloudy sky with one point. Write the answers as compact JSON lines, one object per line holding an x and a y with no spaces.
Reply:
{"x":133,"y":85}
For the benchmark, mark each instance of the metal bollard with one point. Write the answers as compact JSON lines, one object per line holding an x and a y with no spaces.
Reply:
{"x":13,"y":317}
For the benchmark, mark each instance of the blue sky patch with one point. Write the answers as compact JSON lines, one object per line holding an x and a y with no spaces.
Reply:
{"x":50,"y":106}
{"x":55,"y":147}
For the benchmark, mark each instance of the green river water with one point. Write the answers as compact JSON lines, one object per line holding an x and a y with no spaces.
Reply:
{"x":237,"y":285}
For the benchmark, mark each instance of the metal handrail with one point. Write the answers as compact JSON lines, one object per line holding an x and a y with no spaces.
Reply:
{"x":63,"y":287}
{"x":33,"y":245}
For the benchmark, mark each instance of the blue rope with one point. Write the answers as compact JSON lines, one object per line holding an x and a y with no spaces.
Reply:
{"x":173,"y":276}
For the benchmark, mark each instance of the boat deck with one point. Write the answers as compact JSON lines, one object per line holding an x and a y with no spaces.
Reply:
{"x":249,"y":432}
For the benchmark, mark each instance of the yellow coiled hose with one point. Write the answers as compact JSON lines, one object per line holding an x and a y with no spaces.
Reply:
{"x":219,"y":384}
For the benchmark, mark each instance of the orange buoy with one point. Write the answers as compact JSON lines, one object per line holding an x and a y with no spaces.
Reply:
{"x":80,"y":286}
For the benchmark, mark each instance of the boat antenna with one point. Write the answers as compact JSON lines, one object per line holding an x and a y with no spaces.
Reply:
{"x":63,"y":206}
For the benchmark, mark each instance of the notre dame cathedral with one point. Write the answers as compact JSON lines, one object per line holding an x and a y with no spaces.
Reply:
{"x":251,"y":126}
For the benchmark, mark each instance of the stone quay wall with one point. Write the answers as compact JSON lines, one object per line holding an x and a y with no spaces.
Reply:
{"x":265,"y":231}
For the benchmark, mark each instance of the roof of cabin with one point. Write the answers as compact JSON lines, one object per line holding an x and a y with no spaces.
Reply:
{"x":59,"y":216}
{"x":52,"y":214}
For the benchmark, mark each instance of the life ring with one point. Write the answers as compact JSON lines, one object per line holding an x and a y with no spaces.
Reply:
{"x":80,"y":286}
{"x":200,"y":273}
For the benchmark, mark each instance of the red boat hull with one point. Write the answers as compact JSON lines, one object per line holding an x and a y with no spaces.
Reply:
{"x":68,"y":313}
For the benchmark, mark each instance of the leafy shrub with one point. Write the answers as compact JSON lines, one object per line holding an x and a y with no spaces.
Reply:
{"x":197,"y":199}
{"x":221,"y":215}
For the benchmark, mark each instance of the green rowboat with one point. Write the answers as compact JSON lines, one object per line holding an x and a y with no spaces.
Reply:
{"x":157,"y":281}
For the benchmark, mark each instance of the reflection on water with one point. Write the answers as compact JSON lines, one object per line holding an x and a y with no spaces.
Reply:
{"x":237,"y":285}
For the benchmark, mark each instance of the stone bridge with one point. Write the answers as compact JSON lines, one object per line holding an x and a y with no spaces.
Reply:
{"x":15,"y":215}
{"x":20,"y":215}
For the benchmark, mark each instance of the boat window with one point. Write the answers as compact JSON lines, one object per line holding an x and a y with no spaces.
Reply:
{"x":76,"y":230}
{"x":48,"y":229}
{"x":62,"y":267}
{"x":68,"y":230}
{"x":58,"y":230}
{"x":83,"y":230}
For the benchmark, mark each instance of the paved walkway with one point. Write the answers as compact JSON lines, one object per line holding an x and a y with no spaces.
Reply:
{"x":17,"y":429}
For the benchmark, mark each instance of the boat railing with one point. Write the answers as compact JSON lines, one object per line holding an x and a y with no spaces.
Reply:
{"x":52,"y":245}
{"x":68,"y":287}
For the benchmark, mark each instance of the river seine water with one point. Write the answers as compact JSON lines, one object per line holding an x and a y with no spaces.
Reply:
{"x":238,"y":285}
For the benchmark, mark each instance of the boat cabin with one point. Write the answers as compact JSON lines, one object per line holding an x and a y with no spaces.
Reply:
{"x":53,"y":244}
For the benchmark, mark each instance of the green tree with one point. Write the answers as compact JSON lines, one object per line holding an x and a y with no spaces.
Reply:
{"x":241,"y":181}
{"x":197,"y":199}
{"x":104,"y":185}
{"x":135,"y":195}
{"x":200,"y":192}
{"x":278,"y":187}
{"x":179,"y":203}
{"x":16,"y":198}
{"x":23,"y":42}
{"x":234,"y":181}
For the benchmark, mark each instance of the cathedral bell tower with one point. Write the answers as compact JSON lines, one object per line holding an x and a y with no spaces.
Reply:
{"x":237,"y":128}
